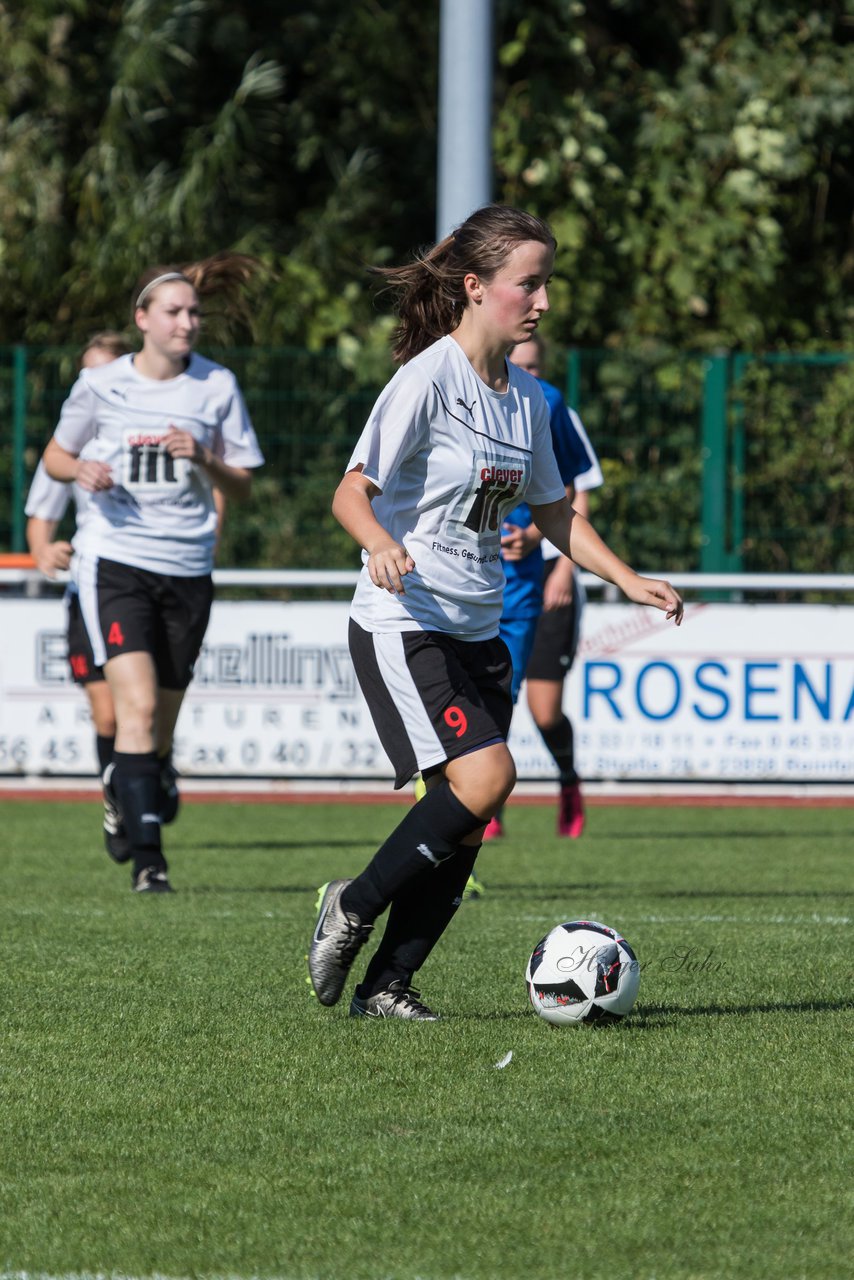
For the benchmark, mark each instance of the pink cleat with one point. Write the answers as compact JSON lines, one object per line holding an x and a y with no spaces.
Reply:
{"x":570,"y":814}
{"x":494,"y":829}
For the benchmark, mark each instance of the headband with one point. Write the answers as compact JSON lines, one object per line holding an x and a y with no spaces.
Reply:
{"x":152,"y":284}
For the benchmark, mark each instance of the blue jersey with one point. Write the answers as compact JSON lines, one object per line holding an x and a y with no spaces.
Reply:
{"x":578,"y":466}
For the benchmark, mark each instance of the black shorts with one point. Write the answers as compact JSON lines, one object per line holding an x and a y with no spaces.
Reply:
{"x":81,"y":660}
{"x":130,"y":610}
{"x":432,"y":697}
{"x":556,"y":636}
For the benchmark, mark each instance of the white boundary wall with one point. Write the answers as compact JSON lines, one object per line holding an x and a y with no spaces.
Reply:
{"x":739,"y":693}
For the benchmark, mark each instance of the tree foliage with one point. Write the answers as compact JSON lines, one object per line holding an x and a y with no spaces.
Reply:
{"x":696,"y":160}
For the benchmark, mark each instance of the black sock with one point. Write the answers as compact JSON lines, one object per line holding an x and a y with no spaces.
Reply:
{"x":104,"y":747}
{"x":418,"y":917}
{"x":428,"y":835}
{"x":560,"y":742}
{"x":136,"y":779}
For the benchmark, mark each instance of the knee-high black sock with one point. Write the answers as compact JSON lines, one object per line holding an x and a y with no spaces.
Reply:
{"x":428,"y":835}
{"x":560,"y":742}
{"x":418,"y":917}
{"x":104,"y":747}
{"x":136,"y":779}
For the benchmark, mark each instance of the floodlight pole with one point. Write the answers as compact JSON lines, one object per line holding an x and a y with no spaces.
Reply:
{"x":465,"y":111}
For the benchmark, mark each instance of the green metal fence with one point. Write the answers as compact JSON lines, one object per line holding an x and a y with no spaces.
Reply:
{"x":720,"y":463}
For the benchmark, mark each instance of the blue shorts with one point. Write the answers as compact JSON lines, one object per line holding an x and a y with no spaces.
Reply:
{"x":518,"y":634}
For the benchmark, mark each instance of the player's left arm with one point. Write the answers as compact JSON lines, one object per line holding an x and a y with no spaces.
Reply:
{"x":575,"y":537}
{"x":234,"y":482}
{"x":559,"y":586}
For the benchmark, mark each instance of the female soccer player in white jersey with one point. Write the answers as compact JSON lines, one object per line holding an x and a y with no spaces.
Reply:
{"x":47,"y":502}
{"x":166,"y":426}
{"x":456,"y":440}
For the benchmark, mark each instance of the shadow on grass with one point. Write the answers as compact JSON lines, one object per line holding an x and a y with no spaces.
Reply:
{"x":548,"y":891}
{"x":226,"y":890}
{"x":709,"y":833}
{"x":284,"y":845}
{"x":653,"y":1016}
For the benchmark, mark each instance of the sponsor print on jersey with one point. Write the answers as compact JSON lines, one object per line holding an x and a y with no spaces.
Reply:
{"x":147,"y":469}
{"x":493,"y":490}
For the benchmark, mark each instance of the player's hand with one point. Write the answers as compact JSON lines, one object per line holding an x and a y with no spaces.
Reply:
{"x":388,"y":564}
{"x":93,"y":476}
{"x":658,"y":594}
{"x":518,"y":543}
{"x":183,"y":444}
{"x":53,"y":557}
{"x":557,"y":592}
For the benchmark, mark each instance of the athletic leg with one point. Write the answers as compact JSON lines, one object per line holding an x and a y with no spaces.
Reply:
{"x":473,"y":787}
{"x":136,"y":771}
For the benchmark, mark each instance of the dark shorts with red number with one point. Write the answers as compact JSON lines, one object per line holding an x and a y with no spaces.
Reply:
{"x":432,"y":697}
{"x":556,"y":638}
{"x":130,"y":610}
{"x":80,"y":656}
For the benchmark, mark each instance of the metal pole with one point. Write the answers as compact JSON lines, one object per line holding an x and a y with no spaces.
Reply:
{"x":713,"y":497}
{"x":19,"y":441}
{"x":464,"y":179}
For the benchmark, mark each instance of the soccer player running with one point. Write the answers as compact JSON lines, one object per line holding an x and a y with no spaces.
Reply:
{"x":454,"y":442}
{"x":161,"y":429}
{"x":47,"y":502}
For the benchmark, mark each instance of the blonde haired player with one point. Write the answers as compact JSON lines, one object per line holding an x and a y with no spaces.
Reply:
{"x":150,"y":437}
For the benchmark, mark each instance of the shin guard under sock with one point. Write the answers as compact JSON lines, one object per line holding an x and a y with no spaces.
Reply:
{"x":136,"y":779}
{"x":560,"y":741}
{"x":428,"y":835}
{"x":418,"y":917}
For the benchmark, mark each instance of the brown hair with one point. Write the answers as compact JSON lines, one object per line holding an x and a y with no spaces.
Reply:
{"x":430,"y":294}
{"x":109,"y":340}
{"x":223,"y":276}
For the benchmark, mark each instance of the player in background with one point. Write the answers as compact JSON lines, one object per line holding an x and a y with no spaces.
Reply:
{"x":457,"y":439}
{"x":161,"y":430}
{"x":544,"y":598}
{"x":47,"y":503}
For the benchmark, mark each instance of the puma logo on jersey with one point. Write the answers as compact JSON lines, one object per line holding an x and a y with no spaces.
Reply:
{"x":469,"y":408}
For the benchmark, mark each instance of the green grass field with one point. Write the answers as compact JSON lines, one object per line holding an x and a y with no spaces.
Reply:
{"x":175,"y":1103}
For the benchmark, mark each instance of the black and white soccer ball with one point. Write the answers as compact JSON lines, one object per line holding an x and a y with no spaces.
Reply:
{"x":582,"y":972}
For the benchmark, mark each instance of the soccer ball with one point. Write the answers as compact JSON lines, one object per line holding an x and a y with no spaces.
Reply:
{"x":582,"y":972}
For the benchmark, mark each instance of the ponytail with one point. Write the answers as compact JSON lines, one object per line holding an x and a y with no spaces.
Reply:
{"x":430,"y":291}
{"x":223,"y":277}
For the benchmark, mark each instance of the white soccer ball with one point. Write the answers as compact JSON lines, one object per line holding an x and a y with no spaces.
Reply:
{"x":582,"y":971}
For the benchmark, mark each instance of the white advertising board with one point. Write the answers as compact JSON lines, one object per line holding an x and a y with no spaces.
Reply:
{"x":738,"y":693}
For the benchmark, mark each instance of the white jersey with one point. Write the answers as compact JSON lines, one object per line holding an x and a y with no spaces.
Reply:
{"x":160,"y":514}
{"x":451,"y":457}
{"x":48,"y":499}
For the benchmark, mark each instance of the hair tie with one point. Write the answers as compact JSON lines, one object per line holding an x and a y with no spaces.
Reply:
{"x":152,"y":284}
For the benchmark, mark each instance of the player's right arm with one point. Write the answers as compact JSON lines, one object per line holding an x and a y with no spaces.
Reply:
{"x":50,"y":557}
{"x":68,"y":467}
{"x":76,"y":427}
{"x":388,"y":561}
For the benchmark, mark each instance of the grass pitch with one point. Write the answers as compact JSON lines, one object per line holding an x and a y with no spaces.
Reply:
{"x":173,"y":1102}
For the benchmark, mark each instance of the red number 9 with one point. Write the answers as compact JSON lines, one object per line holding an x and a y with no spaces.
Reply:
{"x":455,"y":719}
